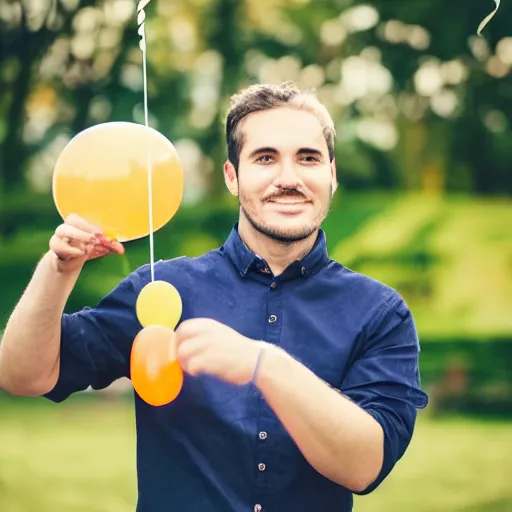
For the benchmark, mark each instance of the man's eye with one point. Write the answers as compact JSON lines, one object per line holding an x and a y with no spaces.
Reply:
{"x":265,"y":159}
{"x":310,"y":159}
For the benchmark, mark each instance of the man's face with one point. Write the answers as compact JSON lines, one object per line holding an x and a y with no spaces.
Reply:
{"x":285,"y":179}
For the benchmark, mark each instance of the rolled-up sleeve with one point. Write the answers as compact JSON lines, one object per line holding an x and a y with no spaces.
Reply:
{"x":385,"y":379}
{"x":96,"y":343}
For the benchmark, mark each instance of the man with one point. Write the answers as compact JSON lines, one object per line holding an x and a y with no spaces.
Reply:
{"x":301,"y":376}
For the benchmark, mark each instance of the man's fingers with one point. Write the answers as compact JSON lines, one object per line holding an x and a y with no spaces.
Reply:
{"x":188,"y":346}
{"x":70,"y":234}
{"x":191,"y":368}
{"x":79,"y":223}
{"x":78,"y":233}
{"x":189,"y":360}
{"x":195,"y":326}
{"x":112,"y":245}
{"x":117,"y":247}
{"x":187,"y":329}
{"x":64,"y":250}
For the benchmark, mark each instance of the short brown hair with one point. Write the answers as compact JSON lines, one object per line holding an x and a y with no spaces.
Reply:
{"x":260,"y":97}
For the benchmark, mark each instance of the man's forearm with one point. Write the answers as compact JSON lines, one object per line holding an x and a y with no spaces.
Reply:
{"x":339,"y":439}
{"x":29,"y":350}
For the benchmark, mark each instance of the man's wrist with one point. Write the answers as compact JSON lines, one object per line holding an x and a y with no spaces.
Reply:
{"x":262,"y":349}
{"x":270,"y":358}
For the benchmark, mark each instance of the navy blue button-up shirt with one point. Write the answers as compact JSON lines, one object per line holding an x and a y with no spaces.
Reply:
{"x":219,"y":447}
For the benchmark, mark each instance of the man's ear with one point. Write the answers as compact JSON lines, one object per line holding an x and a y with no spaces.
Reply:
{"x":334,"y":176}
{"x":231,"y":178}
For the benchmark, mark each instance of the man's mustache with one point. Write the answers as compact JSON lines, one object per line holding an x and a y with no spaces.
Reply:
{"x":286,"y":193}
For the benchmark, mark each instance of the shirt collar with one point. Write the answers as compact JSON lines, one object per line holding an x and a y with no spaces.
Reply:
{"x":244,"y":259}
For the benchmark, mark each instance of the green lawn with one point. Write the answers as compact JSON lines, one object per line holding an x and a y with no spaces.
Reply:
{"x":80,"y":457}
{"x":428,"y":248}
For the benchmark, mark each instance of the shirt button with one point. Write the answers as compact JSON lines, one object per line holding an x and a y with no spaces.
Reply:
{"x":273,"y":286}
{"x":258,"y":508}
{"x":263,"y":435}
{"x":272,"y":319}
{"x":262,"y":466}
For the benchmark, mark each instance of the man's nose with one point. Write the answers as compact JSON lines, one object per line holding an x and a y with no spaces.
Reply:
{"x":288,"y":176}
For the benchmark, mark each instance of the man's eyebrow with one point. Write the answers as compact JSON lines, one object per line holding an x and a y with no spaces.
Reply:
{"x":273,"y":151}
{"x":309,"y":151}
{"x":264,"y":150}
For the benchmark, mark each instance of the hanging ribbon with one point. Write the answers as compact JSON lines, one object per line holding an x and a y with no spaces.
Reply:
{"x":141,"y":19}
{"x":488,"y":18}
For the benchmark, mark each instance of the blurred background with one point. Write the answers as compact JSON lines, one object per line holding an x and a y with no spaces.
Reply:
{"x":423,"y":108}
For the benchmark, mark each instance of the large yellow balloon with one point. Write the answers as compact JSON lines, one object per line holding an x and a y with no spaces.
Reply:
{"x":102,"y":175}
{"x":159,"y":303}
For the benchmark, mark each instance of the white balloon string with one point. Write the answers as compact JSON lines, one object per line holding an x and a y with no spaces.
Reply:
{"x":488,"y":18}
{"x":141,"y":17}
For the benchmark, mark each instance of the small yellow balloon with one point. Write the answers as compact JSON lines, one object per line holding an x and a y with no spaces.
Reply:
{"x":159,"y":303}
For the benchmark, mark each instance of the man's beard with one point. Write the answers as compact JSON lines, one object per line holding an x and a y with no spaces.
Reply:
{"x":281,"y":235}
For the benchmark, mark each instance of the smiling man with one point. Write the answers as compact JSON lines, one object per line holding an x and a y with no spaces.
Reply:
{"x":302,"y":381}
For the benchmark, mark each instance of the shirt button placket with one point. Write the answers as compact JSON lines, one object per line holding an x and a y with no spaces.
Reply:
{"x":264,"y":460}
{"x":274,"y":312}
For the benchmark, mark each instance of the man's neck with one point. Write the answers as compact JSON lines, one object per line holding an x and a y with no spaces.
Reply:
{"x":278,"y":255}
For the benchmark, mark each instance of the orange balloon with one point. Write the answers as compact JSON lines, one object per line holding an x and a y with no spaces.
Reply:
{"x":102,"y":175}
{"x":155,"y":373}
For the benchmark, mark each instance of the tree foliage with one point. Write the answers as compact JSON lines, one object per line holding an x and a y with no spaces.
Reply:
{"x":420,"y":101}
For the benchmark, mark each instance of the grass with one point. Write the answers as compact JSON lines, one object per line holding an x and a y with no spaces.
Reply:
{"x":80,"y":457}
{"x":449,"y":258}
{"x":452,"y":465}
{"x":67,"y":457}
